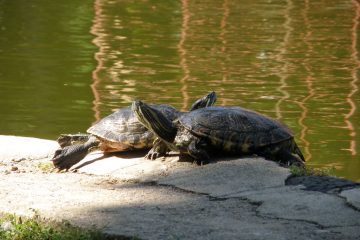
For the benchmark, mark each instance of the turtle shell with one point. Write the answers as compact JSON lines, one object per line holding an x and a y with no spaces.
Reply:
{"x":235,"y":128}
{"x":122,"y":130}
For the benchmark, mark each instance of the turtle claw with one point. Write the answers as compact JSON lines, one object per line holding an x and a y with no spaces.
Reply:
{"x":297,"y":164}
{"x":202,"y":162}
{"x":151,"y":156}
{"x":292,"y":163}
{"x":59,"y":159}
{"x":158,"y":150}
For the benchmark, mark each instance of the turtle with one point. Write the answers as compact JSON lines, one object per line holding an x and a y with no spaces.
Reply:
{"x":234,"y":130}
{"x":118,"y":132}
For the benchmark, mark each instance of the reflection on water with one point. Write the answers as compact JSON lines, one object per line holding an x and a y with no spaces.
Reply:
{"x":224,"y":49}
{"x":354,"y":74}
{"x":183,"y":53}
{"x":297,"y":61}
{"x":309,"y":83}
{"x":262,"y":55}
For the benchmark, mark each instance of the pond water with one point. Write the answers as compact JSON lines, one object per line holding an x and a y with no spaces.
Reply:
{"x":66,"y":64}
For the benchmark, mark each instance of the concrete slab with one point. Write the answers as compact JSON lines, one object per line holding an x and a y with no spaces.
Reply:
{"x":326,"y":210}
{"x":126,"y":167}
{"x":15,"y":148}
{"x":144,"y":210}
{"x":325,"y":184}
{"x":352,"y":197}
{"x":126,"y":195}
{"x":228,"y":177}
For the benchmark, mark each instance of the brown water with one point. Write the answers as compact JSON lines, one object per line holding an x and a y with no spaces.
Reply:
{"x":66,"y":64}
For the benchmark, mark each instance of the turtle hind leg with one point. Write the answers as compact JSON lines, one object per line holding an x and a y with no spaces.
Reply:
{"x":68,"y":156}
{"x":72,"y":139}
{"x":198,"y":153}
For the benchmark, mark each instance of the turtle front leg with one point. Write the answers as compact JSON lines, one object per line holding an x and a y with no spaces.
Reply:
{"x":159,"y":149}
{"x":288,"y":159}
{"x":280,"y":153}
{"x":196,"y":150}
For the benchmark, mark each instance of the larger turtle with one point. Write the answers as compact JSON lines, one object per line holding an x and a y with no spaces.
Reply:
{"x":120,"y":131}
{"x":222,"y":129}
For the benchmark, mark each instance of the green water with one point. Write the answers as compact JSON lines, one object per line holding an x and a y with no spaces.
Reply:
{"x":66,"y":64}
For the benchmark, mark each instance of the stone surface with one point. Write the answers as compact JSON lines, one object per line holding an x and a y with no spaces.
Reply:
{"x":230,"y":176}
{"x":307,"y":206}
{"x":24,"y":148}
{"x":353,"y":197}
{"x":129,"y":166}
{"x":324,"y":184}
{"x":125,"y":195}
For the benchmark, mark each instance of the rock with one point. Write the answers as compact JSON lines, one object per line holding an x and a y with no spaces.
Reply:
{"x":19,"y":148}
{"x":322,"y":183}
{"x":7,"y":226}
{"x":353,"y":197}
{"x":19,"y":160}
{"x":14,"y":168}
{"x":228,"y":177}
{"x":125,"y":195}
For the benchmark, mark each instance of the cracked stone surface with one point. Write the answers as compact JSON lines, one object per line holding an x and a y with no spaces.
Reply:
{"x":211,"y":179}
{"x":126,"y":195}
{"x":352,"y":197}
{"x":292,"y":203}
{"x":324,"y":184}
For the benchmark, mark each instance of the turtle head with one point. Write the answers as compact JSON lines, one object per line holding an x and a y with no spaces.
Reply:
{"x":206,"y":101}
{"x":154,"y":121}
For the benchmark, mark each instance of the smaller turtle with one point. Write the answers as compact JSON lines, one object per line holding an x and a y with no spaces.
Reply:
{"x":118,"y":132}
{"x":222,"y":129}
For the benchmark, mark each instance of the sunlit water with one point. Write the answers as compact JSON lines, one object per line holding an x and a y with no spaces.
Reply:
{"x":66,"y":64}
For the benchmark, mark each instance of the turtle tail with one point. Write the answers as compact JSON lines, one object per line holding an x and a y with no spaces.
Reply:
{"x":206,"y":101}
{"x":155,"y":121}
{"x":65,"y":158}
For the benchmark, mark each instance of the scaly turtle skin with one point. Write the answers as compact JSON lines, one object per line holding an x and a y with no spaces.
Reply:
{"x":118,"y":132}
{"x":225,"y":129}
